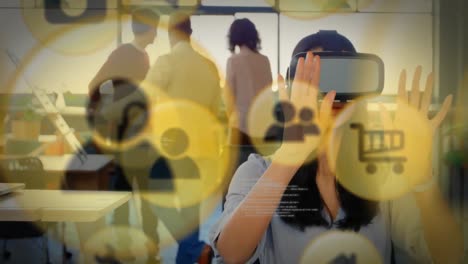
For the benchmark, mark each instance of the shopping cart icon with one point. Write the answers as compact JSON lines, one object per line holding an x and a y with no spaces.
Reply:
{"x":378,"y":145}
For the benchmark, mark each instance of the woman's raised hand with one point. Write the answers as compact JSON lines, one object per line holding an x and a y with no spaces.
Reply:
{"x":412,"y":117}
{"x":304,"y":95}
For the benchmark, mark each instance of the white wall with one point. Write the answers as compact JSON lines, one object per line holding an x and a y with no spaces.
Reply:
{"x":210,"y":33}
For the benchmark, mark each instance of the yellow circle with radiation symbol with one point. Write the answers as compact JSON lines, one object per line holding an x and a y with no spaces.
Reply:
{"x":84,"y":26}
{"x":312,"y":9}
{"x":273,"y":124}
{"x":182,"y":157}
{"x":337,"y":247}
{"x":379,"y":157}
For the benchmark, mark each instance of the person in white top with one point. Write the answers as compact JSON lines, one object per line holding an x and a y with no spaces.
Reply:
{"x":184,"y":73}
{"x":247,"y":74}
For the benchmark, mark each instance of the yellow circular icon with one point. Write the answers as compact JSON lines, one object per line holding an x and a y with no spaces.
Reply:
{"x":178,"y":223}
{"x":120,"y":243}
{"x":460,"y":122}
{"x":83,"y":26}
{"x":182,"y":157}
{"x":311,"y":9}
{"x":117,"y":126}
{"x":188,"y":7}
{"x":273,"y":124}
{"x":378,"y":157}
{"x":336,"y":247}
{"x":171,"y":225}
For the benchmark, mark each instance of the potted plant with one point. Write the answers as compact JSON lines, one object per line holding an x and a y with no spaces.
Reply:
{"x":26,"y":125}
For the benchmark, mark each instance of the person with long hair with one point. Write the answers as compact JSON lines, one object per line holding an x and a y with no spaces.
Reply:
{"x":247,"y":73}
{"x":416,"y":228}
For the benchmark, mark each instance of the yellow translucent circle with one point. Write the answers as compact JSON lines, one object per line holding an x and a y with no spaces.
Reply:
{"x":28,"y":142}
{"x":460,"y":120}
{"x":131,"y":243}
{"x":110,"y":145}
{"x":128,"y":243}
{"x":312,"y":9}
{"x":121,"y":243}
{"x":364,"y":4}
{"x":82,"y":30}
{"x":376,"y":159}
{"x":193,"y":165}
{"x":264,"y":128}
{"x":106,"y":141}
{"x":341,"y":247}
{"x":176,"y":223}
{"x":189,"y":7}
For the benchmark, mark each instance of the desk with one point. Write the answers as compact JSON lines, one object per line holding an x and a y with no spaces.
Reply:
{"x":94,"y":174}
{"x":70,"y":110}
{"x":71,"y":163}
{"x":59,"y":206}
{"x":6,"y":188}
{"x":67,"y":110}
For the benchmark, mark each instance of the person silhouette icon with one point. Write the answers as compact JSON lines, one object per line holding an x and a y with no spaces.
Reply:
{"x":284,"y":113}
{"x":307,"y":115}
{"x":175,"y":143}
{"x":162,"y":174}
{"x":144,"y":163}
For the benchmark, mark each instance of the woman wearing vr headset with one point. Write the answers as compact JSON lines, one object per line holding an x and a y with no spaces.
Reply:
{"x":242,"y":236}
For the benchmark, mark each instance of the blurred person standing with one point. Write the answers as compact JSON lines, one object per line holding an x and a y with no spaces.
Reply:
{"x":247,"y":74}
{"x":129,"y":61}
{"x":117,"y":79}
{"x":186,"y":75}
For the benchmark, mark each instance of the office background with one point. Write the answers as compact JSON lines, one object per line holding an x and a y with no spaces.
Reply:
{"x":431,"y":33}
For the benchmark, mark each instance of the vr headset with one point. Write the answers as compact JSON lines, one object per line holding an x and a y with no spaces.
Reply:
{"x":349,"y":73}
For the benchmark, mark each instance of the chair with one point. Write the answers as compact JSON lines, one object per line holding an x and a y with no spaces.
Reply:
{"x":19,"y":230}
{"x":30,"y":171}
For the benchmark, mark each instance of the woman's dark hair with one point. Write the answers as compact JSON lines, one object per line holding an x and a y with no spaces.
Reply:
{"x":243,"y":32}
{"x":329,"y":40}
{"x":302,"y":191}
